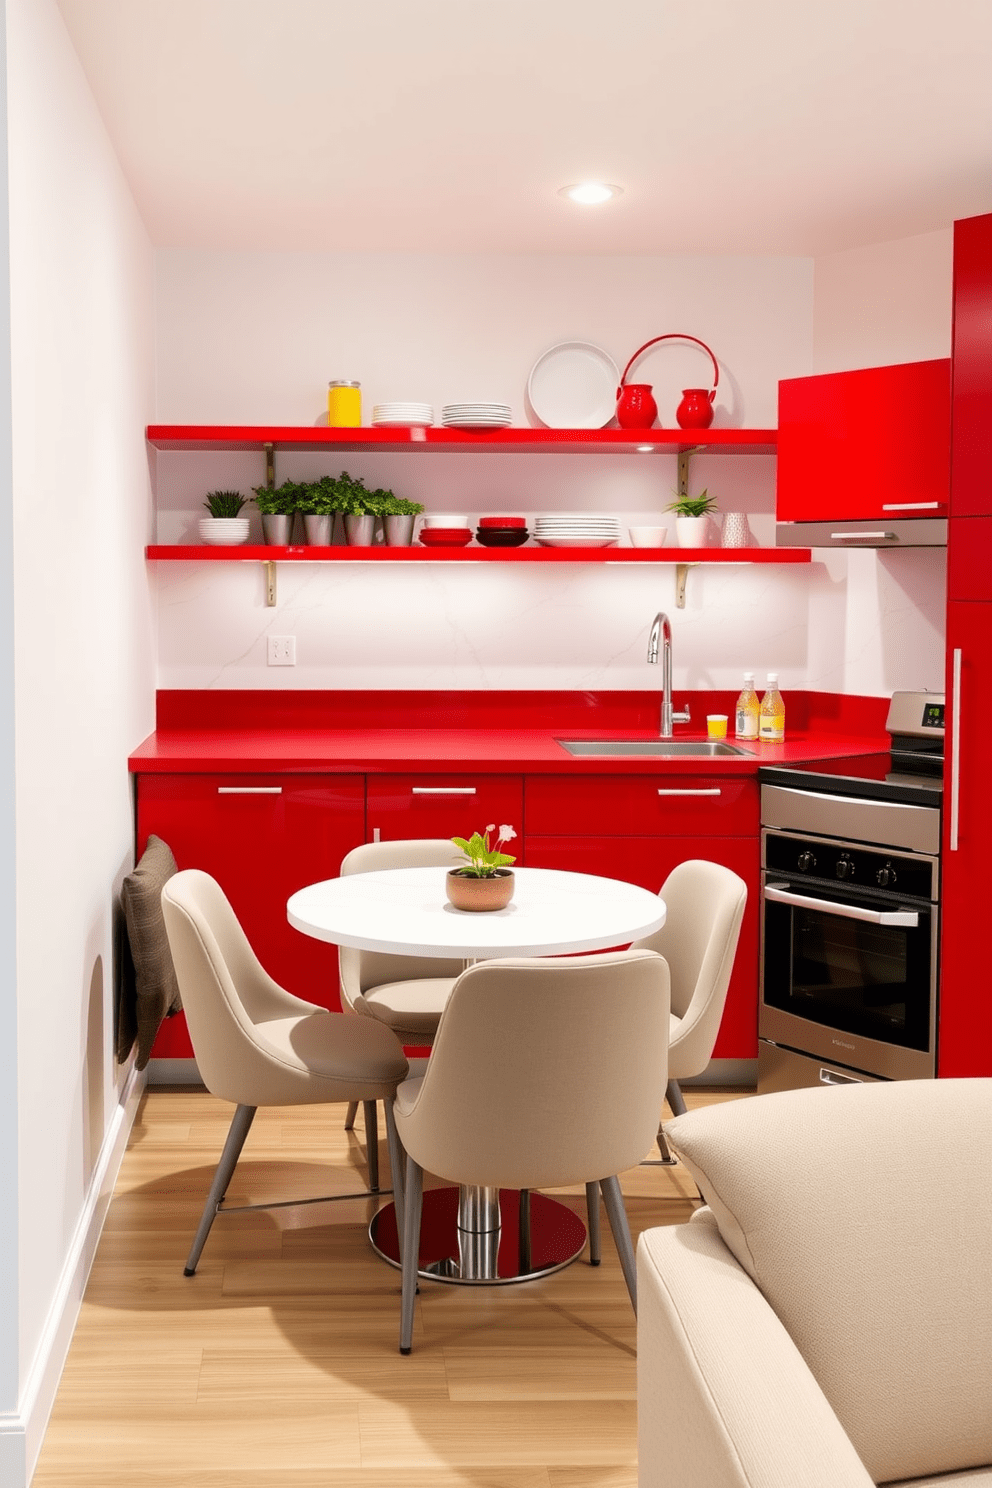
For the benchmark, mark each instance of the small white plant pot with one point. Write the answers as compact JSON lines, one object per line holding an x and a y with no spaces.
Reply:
{"x":224,"y":531}
{"x":318,"y":530}
{"x":398,"y":531}
{"x":276,"y":528}
{"x":359,"y":530}
{"x":693,"y":532}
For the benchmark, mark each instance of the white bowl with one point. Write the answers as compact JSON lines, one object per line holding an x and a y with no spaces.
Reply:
{"x":648,"y":537}
{"x":224,"y":531}
{"x":445,"y":519}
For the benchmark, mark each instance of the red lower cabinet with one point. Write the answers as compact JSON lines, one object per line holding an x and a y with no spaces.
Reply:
{"x":647,"y":861}
{"x":964,"y":1045}
{"x":262,"y":837}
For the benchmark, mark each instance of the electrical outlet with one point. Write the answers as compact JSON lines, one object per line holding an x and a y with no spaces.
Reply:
{"x":282,"y":651}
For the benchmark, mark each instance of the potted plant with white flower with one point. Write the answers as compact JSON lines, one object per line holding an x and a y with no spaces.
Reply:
{"x":485,"y":881}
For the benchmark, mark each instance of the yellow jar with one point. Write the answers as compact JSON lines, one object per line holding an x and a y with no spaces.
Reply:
{"x":344,"y":405}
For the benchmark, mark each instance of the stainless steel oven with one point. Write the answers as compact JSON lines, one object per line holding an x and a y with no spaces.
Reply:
{"x":850,"y":915}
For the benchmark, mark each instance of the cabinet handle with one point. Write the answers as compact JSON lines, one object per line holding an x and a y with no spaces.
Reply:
{"x":912,"y":505}
{"x":858,"y":536}
{"x":249,"y":790}
{"x":715,"y":791}
{"x":955,"y":748}
{"x":444,"y":790}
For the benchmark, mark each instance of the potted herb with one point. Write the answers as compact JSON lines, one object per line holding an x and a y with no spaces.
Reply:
{"x":692,"y":522}
{"x":485,"y":882}
{"x":319,"y":501}
{"x":360,"y":507}
{"x":398,"y":517}
{"x":224,"y":525}
{"x":277,"y":505}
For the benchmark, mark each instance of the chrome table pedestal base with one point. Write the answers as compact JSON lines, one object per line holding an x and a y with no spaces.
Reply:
{"x":485,"y":1237}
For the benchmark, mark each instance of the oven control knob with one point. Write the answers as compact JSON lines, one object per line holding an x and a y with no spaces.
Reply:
{"x":844,"y":867}
{"x":885,"y":876}
{"x":805,"y":861}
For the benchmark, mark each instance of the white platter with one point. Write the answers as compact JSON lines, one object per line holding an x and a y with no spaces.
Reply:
{"x":575,"y":542}
{"x":574,"y":386}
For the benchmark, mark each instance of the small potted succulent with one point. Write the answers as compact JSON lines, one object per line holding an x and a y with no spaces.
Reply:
{"x":277,"y":505}
{"x":224,"y":525}
{"x":692,"y":522}
{"x":485,"y":882}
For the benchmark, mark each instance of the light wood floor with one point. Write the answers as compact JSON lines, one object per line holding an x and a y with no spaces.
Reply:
{"x":277,"y":1366}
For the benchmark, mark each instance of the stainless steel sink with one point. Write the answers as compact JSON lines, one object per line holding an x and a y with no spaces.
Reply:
{"x":656,"y":748}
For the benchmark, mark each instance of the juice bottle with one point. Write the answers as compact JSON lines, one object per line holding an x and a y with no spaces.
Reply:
{"x":746,"y":713}
{"x":771,"y":719}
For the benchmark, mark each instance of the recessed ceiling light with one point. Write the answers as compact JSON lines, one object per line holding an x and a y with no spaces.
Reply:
{"x":590,"y":193}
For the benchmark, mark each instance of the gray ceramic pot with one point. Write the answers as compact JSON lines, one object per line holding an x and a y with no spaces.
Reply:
{"x":318,"y":530}
{"x":276,"y":528}
{"x":398,"y":531}
{"x":359,"y":531}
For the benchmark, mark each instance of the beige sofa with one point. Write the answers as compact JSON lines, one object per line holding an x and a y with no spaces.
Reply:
{"x":826,"y":1320}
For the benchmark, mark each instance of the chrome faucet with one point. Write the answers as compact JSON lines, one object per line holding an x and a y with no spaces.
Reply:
{"x":661,"y":629}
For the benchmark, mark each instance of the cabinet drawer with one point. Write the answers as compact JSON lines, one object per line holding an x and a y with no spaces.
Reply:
{"x":442,"y":805}
{"x":642,"y":805}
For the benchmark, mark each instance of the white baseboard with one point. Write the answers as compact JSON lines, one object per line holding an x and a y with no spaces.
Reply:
{"x":22,"y":1432}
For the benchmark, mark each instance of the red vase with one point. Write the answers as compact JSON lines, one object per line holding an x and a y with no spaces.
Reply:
{"x":636,"y":408}
{"x":696,"y":409}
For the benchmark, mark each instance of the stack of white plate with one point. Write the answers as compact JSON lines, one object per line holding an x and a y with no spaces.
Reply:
{"x":402,"y":415}
{"x":577,"y":530}
{"x":476,"y":415}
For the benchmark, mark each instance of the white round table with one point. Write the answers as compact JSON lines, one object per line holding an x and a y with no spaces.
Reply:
{"x":406,"y":911}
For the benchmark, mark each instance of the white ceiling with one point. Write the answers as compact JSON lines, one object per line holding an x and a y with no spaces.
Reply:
{"x":734,"y":126}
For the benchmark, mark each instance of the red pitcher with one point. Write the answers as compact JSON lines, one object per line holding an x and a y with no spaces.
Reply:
{"x":696,"y":409}
{"x":636,"y":408}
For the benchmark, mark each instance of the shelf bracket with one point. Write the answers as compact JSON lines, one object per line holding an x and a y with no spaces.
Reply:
{"x":681,"y":574}
{"x":683,"y":476}
{"x":270,"y":582}
{"x":270,"y":467}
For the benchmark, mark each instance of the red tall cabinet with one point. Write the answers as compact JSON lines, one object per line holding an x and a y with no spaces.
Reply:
{"x":965,"y":1039}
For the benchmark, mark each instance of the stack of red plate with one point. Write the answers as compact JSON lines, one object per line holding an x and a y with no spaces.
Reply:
{"x":445,"y":537}
{"x":502,"y":532}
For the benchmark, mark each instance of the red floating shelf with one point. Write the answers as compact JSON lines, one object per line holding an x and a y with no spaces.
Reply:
{"x":519,"y":441}
{"x":269,"y":554}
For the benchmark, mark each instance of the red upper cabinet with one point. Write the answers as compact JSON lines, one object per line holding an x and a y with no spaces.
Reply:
{"x":972,"y":383}
{"x":866,"y":446}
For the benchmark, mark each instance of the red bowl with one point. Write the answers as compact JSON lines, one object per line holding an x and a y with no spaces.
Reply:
{"x":445,"y":537}
{"x":503,"y":522}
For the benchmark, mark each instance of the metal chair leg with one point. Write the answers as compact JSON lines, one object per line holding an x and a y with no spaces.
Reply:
{"x":617,"y":1215}
{"x":664,"y":1149}
{"x":673,"y":1095}
{"x":592,"y":1218}
{"x":239,"y":1128}
{"x":397,"y":1158}
{"x":414,"y":1198}
{"x":523,"y":1231}
{"x":349,"y":1120}
{"x":372,"y":1143}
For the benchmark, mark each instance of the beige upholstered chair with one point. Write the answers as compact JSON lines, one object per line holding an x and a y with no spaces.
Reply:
{"x":256,"y":1044}
{"x":827,"y":1320}
{"x":705,"y":904}
{"x":545,"y":1072}
{"x":407,"y":993}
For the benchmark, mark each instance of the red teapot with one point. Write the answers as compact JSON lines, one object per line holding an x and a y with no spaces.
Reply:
{"x":637,"y":409}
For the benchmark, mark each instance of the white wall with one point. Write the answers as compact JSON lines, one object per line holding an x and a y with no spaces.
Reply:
{"x":253,"y":338}
{"x":889,"y":302}
{"x":82,"y":359}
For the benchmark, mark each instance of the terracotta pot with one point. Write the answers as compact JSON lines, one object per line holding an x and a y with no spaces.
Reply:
{"x":479,"y":893}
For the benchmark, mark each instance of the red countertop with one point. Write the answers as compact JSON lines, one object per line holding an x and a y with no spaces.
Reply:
{"x":447,"y":733}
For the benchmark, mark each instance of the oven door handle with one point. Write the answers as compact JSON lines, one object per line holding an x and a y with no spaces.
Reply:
{"x":780,"y":895}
